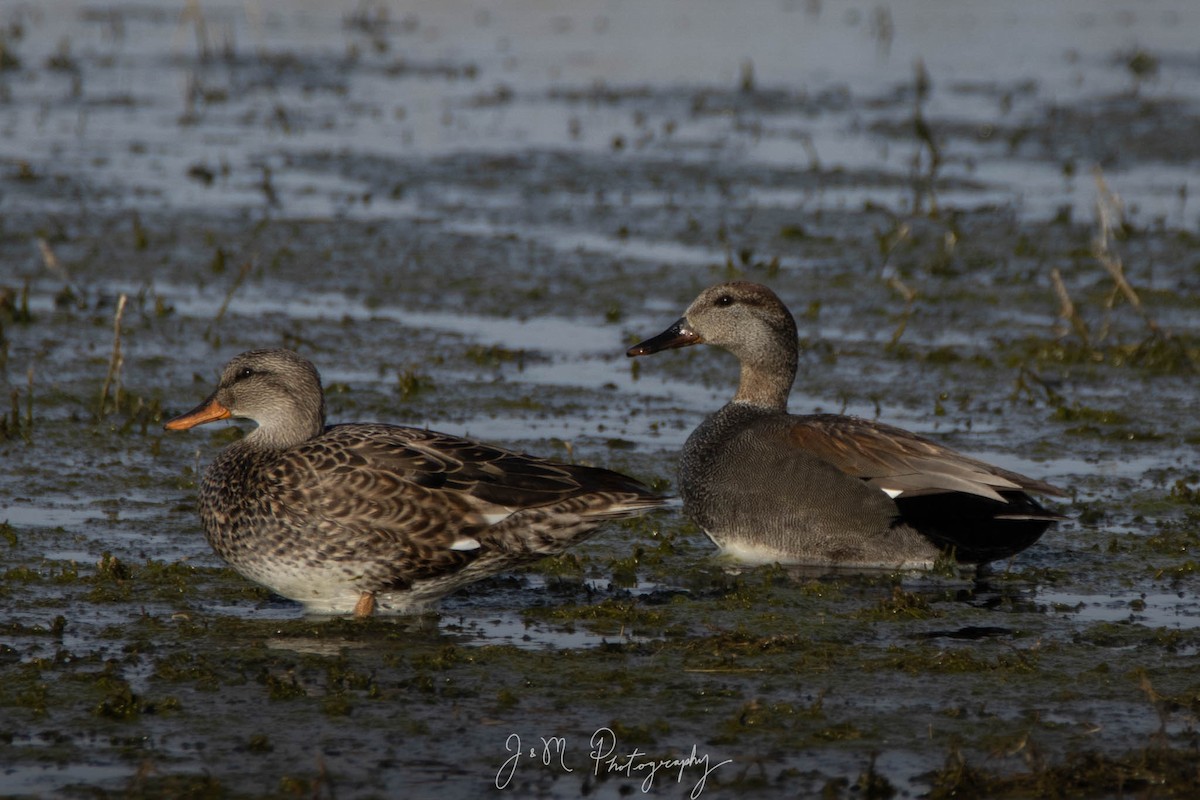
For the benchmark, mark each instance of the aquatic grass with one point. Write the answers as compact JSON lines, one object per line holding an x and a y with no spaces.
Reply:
{"x":1109,"y":214}
{"x":1159,"y":351}
{"x":181,"y":666}
{"x":119,"y":703}
{"x":411,"y":381}
{"x":259,"y":743}
{"x":909,"y":296}
{"x":1184,"y":492}
{"x":1143,"y":67}
{"x":1067,"y":310}
{"x":1164,"y":356}
{"x":610,"y":616}
{"x":53,"y":266}
{"x":193,"y":14}
{"x":282,"y":685}
{"x":26,"y":688}
{"x":736,"y":269}
{"x":901,"y":604}
{"x":112,"y":379}
{"x":563,"y":565}
{"x":319,"y":786}
{"x":14,"y":304}
{"x":10,"y":424}
{"x":871,"y":784}
{"x":927,"y":160}
{"x":54,"y":630}
{"x":925,"y":659}
{"x":141,"y":237}
{"x":495,"y":356}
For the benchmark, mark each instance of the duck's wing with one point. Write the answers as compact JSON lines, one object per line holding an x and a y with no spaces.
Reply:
{"x":493,"y":478}
{"x":903,"y":463}
{"x":435,"y":499}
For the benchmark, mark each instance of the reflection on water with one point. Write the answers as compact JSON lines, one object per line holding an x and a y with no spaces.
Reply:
{"x":1174,"y":611}
{"x":509,"y":628}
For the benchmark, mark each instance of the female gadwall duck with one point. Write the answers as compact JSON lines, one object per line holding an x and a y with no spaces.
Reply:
{"x":363,"y":516}
{"x":766,"y":485}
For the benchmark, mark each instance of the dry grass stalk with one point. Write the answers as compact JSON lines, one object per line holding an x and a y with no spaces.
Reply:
{"x":112,"y":381}
{"x":924,"y":185}
{"x":51,"y":261}
{"x":1066,"y":309}
{"x":910,"y":298}
{"x":1109,"y":214}
{"x":194,"y":14}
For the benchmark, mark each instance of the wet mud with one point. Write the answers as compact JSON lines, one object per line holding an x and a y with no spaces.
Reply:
{"x":464,"y":216}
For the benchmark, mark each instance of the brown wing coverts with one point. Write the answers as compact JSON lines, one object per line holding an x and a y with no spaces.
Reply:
{"x":896,"y":458}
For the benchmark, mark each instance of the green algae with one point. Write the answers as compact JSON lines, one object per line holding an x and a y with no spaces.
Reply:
{"x":902,"y":604}
{"x":1184,"y":492}
{"x":1154,"y":354}
{"x":606,"y":617}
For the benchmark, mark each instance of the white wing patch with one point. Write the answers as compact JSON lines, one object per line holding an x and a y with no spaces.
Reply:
{"x":465,"y":543}
{"x":933,"y":482}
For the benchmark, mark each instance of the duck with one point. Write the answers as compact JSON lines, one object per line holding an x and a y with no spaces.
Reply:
{"x":824,"y":489}
{"x":366,"y":518}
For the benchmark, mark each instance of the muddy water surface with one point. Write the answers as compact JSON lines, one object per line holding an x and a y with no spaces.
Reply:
{"x":463,"y":215}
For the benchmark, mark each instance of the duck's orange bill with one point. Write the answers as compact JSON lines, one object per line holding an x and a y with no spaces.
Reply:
{"x":208,"y":411}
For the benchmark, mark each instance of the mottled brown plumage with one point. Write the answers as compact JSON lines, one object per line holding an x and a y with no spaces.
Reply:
{"x":825,"y":488}
{"x":361,"y":517}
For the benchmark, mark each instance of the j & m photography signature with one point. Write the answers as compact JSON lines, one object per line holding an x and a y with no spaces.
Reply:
{"x":605,"y":757}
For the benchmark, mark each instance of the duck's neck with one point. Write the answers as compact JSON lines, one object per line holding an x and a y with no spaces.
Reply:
{"x":767,"y":384}
{"x":286,"y":430}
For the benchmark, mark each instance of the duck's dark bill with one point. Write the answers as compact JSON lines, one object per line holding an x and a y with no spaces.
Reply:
{"x":208,"y":411}
{"x":678,"y":335}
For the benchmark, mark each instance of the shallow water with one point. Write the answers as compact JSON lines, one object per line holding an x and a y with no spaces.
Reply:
{"x":464,"y":215}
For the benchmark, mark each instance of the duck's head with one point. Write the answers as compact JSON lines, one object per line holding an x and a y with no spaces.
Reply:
{"x":276,"y":388}
{"x":747,"y":319}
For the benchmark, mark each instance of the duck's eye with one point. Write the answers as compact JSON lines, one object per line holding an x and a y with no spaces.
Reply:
{"x":244,"y":372}
{"x":725,"y":300}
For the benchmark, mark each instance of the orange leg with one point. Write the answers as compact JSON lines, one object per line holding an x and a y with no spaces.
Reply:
{"x":365,"y":606}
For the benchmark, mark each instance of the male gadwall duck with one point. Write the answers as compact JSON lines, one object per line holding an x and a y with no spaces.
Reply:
{"x":827,"y":489}
{"x":366,"y":516}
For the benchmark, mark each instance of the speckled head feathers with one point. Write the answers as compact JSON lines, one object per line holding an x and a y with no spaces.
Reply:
{"x":747,"y":319}
{"x":750,"y":321}
{"x":274,"y":387}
